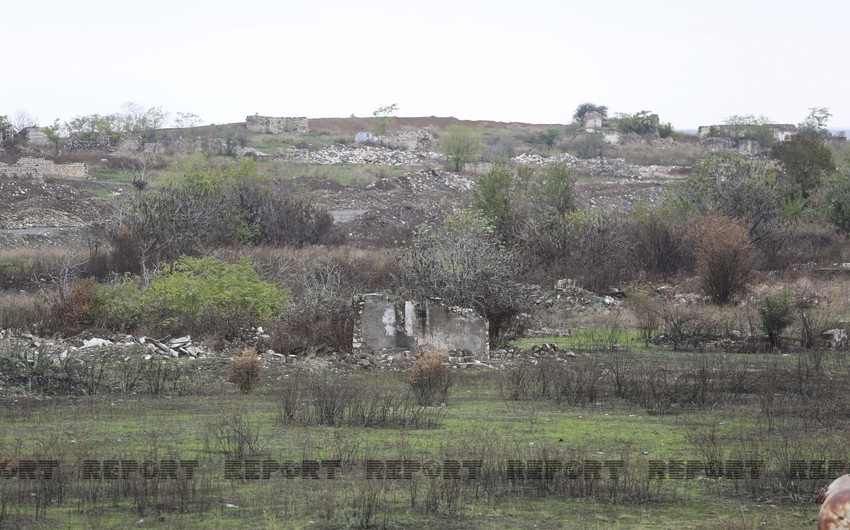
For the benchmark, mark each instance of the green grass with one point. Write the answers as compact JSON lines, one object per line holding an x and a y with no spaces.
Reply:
{"x":479,"y":422}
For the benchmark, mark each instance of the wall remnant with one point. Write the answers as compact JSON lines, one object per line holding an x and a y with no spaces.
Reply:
{"x":274,"y":125}
{"x":383,"y":323}
{"x":592,"y":121}
{"x":38,"y":168}
{"x":781,"y":131}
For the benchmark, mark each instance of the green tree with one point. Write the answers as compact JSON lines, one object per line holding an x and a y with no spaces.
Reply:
{"x":52,"y":132}
{"x":747,"y":126}
{"x":6,"y":128}
{"x":836,"y":201}
{"x":512,"y":199}
{"x":548,"y":138}
{"x":143,"y":121}
{"x":741,"y":187}
{"x":643,"y":122}
{"x":383,"y":118}
{"x":461,"y":144}
{"x":584,"y":108}
{"x":806,"y":160}
{"x":815,"y":124}
{"x":493,"y":196}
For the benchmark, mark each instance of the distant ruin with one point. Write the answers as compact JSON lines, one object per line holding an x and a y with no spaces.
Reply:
{"x":781,"y":131}
{"x":593,"y":120}
{"x":385,"y":324}
{"x":274,"y":125}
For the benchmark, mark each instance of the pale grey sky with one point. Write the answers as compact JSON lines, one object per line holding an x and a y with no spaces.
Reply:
{"x":531,"y":61}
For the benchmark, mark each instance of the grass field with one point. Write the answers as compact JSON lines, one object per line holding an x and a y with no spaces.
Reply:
{"x":205,"y":420}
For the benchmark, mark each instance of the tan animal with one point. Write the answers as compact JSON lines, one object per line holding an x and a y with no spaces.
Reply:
{"x":835,"y":511}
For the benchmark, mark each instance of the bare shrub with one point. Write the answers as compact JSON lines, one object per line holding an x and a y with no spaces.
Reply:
{"x":330,"y":398}
{"x":660,"y":244}
{"x":430,"y":378}
{"x":160,"y":375}
{"x":244,"y":370}
{"x":235,"y":435}
{"x":517,"y":382}
{"x":91,"y":366}
{"x":723,"y":254}
{"x":588,"y":245}
{"x":686,"y":326}
{"x":74,"y":311}
{"x":341,"y":400}
{"x":579,"y":381}
{"x":646,"y":313}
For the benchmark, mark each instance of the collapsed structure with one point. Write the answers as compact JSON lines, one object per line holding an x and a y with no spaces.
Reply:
{"x":383,"y":323}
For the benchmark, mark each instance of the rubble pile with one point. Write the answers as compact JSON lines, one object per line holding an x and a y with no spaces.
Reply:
{"x":342,"y":154}
{"x":602,"y":167}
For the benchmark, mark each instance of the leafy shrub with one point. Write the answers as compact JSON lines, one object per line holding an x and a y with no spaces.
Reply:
{"x":744,"y":188}
{"x":461,"y":144}
{"x":203,"y":294}
{"x":836,"y":201}
{"x":119,"y":305}
{"x":430,"y":377}
{"x":589,"y":146}
{"x":643,"y":122}
{"x":777,"y":313}
{"x":723,"y":254}
{"x":244,"y":370}
{"x":807,"y":161}
{"x":213,"y":206}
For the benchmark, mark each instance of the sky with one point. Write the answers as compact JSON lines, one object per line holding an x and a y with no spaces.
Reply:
{"x":534,"y":61}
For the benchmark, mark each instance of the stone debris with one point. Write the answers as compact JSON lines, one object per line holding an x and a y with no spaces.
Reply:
{"x":602,"y":167}
{"x":362,"y":154}
{"x":174,"y":347}
{"x":96,"y":342}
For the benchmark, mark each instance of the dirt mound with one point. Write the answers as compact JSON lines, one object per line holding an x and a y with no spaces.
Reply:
{"x":45,"y":203}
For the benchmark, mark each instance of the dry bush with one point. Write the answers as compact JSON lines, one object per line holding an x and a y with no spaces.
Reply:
{"x":660,"y":244}
{"x":21,"y":266}
{"x":812,"y":244}
{"x":646,"y":314}
{"x":687,"y":326}
{"x":74,"y":311}
{"x":344,"y":400}
{"x":723,"y":254}
{"x":245,"y":370}
{"x":579,"y":381}
{"x":430,"y":378}
{"x":19,"y":310}
{"x":588,"y":245}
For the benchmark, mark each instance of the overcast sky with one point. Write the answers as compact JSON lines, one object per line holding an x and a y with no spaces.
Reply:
{"x":693,"y":63}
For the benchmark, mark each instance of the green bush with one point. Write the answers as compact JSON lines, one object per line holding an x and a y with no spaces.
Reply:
{"x":203,"y":294}
{"x":777,"y":313}
{"x":119,"y":306}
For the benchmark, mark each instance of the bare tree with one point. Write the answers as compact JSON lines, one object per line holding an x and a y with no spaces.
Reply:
{"x":23,"y":120}
{"x":464,"y":263}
